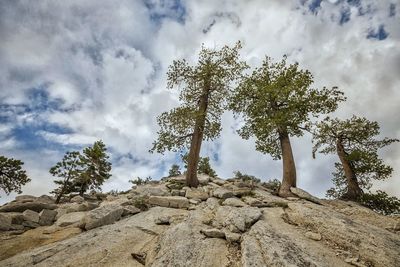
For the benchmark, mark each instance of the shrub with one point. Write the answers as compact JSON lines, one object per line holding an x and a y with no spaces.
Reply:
{"x":140,"y":181}
{"x":272,"y":184}
{"x":381,"y":202}
{"x":246,"y":177}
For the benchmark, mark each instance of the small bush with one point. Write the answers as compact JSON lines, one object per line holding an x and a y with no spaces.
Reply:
{"x":140,"y":181}
{"x":174,"y":171}
{"x":246,"y":177}
{"x":141,"y":203}
{"x":381,"y":203}
{"x":272,"y":185}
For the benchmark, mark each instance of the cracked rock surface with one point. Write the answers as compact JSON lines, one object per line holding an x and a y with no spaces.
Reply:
{"x":218,"y":229}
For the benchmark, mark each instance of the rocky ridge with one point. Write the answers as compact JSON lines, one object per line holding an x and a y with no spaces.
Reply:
{"x":221,"y":223}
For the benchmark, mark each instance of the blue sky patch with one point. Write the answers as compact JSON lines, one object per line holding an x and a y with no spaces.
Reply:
{"x":166,"y":9}
{"x":380,"y":34}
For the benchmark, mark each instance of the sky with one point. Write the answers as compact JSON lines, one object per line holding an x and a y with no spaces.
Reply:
{"x":73,"y":72}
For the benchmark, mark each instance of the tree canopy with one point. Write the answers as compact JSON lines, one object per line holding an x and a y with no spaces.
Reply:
{"x":277,"y":101}
{"x":12,"y":176}
{"x":357,"y":139}
{"x":204,"y":91}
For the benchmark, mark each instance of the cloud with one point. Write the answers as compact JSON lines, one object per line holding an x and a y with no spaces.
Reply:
{"x":73,"y":72}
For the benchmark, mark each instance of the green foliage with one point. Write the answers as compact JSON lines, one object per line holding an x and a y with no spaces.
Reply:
{"x":82,"y":171}
{"x":246,"y":177}
{"x":174,"y":171}
{"x":381,"y":202}
{"x":211,"y":79}
{"x":140,"y":181}
{"x":272,"y":184}
{"x":96,"y":167}
{"x":203,"y":167}
{"x":69,"y":170}
{"x":358,"y":137}
{"x":141,"y":202}
{"x":277,"y":98}
{"x":12,"y":176}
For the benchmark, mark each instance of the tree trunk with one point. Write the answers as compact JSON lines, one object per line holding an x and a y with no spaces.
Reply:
{"x":289,"y":168}
{"x":82,"y":189}
{"x":197,"y":138}
{"x":353,"y":189}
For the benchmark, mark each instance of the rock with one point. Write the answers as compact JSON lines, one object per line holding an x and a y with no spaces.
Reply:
{"x":5,"y":223}
{"x":152,"y":190}
{"x":232,"y":237}
{"x":240,"y":192}
{"x":214,"y":232}
{"x":305,"y":195}
{"x":313,"y":236}
{"x":16,"y":217}
{"x":102,"y":216}
{"x":77,"y":199}
{"x":234,"y":202}
{"x":25,"y":198}
{"x":396,"y":227}
{"x":163,"y":220}
{"x":47,"y":217}
{"x":175,"y":192}
{"x":218,"y":181}
{"x":31,"y":216}
{"x":196,"y":193}
{"x":140,"y":257}
{"x":30,"y":224}
{"x":46,"y":199}
{"x":170,"y":202}
{"x":236,"y":219}
{"x":130,"y":210}
{"x":222,"y":193}
{"x":21,"y":207}
{"x":194,"y":201}
{"x":71,"y":219}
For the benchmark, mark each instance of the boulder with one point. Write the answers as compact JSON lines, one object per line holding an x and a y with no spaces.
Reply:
{"x":31,"y":216}
{"x":240,"y":192}
{"x":102,"y":216}
{"x":232,"y":237}
{"x":163,"y":220}
{"x":214,"y":232}
{"x":313,"y":236}
{"x":25,"y":198}
{"x":196,"y":193}
{"x":130,"y":210}
{"x":71,"y":219}
{"x":5,"y":222}
{"x":46,"y":199}
{"x":30,"y":224}
{"x":234,"y":202}
{"x":170,"y":202}
{"x":21,"y":207}
{"x":236,"y":219}
{"x":305,"y":195}
{"x":218,"y":181}
{"x":77,"y":199}
{"x":222,"y":193}
{"x":16,"y":217}
{"x":46,"y":217}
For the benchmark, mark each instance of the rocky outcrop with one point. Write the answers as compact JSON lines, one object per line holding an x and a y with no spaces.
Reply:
{"x":71,"y":219}
{"x":170,"y":202}
{"x":22,"y":206}
{"x":102,"y":216}
{"x":257,"y":229}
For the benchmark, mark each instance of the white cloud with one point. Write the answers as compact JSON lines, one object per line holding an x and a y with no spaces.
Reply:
{"x":107,"y":62}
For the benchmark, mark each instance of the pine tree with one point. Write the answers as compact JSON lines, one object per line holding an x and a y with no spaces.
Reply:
{"x":354,"y":141}
{"x":12,"y":176}
{"x":69,"y":170}
{"x":204,"y":166}
{"x":205,"y":89}
{"x":174,"y":171}
{"x":277,"y":102}
{"x":96,"y":167}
